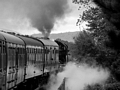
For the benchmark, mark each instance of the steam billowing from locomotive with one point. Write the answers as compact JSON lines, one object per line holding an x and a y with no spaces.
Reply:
{"x":78,"y":77}
{"x":42,"y":14}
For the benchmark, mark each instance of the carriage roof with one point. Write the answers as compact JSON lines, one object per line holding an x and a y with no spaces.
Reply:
{"x":31,"y":41}
{"x":59,"y":42}
{"x":1,"y":37}
{"x":48,"y":42}
{"x":11,"y":38}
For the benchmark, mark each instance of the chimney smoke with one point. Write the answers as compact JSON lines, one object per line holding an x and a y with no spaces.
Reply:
{"x":42,"y":14}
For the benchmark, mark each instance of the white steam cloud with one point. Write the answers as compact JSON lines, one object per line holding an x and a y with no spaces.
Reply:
{"x":40,"y":14}
{"x":77,"y":77}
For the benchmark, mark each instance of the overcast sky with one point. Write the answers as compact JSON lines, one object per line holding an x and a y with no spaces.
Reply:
{"x":68,"y":24}
{"x":22,"y":25}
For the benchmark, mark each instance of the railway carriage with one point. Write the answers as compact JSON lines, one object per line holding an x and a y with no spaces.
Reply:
{"x":12,"y":60}
{"x":3,"y":60}
{"x":33,"y":56}
{"x":24,"y":60}
{"x":51,"y":54}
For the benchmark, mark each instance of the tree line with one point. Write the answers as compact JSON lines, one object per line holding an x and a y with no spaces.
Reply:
{"x":99,"y":43}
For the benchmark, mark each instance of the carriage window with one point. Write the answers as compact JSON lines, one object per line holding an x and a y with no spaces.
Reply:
{"x":23,"y":50}
{"x":33,"y":54}
{"x":20,"y":50}
{"x":50,"y":53}
{"x":31,"y":50}
{"x":40,"y":54}
{"x":38,"y":51}
{"x":42,"y":50}
{"x":4,"y":49}
{"x":4,"y":57}
{"x":0,"y":42}
{"x":0,"y":59}
{"x":35,"y":50}
{"x":54,"y":54}
{"x":28,"y":50}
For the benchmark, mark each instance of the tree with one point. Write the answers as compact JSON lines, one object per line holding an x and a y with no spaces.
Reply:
{"x":107,"y":37}
{"x":111,"y":9}
{"x":105,"y":28}
{"x":98,"y":28}
{"x":84,"y":47}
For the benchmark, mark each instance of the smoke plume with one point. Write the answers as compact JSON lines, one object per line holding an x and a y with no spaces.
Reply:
{"x":42,"y":14}
{"x":77,"y":77}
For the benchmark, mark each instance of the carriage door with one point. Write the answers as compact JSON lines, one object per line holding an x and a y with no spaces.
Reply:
{"x":3,"y":64}
{"x":11,"y":69}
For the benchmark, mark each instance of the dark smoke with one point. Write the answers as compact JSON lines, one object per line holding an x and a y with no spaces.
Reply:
{"x":42,"y":14}
{"x":47,"y":13}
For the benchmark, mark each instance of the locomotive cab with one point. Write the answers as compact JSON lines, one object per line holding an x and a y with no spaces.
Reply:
{"x":63,"y":51}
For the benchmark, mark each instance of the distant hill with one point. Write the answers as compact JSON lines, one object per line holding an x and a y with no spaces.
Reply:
{"x":68,"y":36}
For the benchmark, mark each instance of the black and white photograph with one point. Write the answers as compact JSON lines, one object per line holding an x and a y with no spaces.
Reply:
{"x":59,"y":45}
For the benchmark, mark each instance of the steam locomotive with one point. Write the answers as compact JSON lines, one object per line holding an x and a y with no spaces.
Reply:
{"x":24,"y":60}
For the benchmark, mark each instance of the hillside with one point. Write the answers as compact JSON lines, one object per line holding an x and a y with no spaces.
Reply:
{"x":68,"y":36}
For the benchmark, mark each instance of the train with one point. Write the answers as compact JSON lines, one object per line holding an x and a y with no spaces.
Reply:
{"x":24,"y":60}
